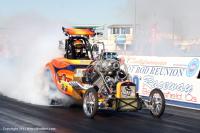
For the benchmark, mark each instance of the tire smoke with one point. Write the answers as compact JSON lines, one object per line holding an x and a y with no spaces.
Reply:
{"x":28,"y":42}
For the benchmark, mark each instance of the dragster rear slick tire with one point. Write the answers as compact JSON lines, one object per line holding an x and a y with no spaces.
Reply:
{"x":157,"y":101}
{"x":90,"y":103}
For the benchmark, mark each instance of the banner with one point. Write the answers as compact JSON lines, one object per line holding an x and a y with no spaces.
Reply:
{"x":177,"y":77}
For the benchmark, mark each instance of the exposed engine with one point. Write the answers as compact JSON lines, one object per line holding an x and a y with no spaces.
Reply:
{"x":105,"y":74}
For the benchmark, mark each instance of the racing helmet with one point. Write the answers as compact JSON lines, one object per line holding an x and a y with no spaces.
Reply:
{"x":78,"y":44}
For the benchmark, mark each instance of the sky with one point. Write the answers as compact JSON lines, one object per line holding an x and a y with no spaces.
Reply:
{"x":180,"y":17}
{"x":71,"y":11}
{"x":184,"y":13}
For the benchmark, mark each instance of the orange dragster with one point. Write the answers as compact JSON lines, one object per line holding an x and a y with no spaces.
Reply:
{"x":101,"y":82}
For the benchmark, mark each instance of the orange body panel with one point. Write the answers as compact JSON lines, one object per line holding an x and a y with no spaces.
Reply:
{"x":60,"y":68}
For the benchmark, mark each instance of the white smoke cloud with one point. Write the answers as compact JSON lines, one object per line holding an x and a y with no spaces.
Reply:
{"x":178,"y":17}
{"x":29,"y":41}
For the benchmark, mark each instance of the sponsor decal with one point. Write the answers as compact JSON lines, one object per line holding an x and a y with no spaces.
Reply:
{"x":192,"y":67}
{"x":126,"y":91}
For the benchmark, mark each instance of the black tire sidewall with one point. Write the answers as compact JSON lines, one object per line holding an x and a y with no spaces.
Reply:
{"x":163,"y":102}
{"x":96,"y":102}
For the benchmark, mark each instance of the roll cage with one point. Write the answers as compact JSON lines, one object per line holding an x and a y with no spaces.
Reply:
{"x":85,"y":52}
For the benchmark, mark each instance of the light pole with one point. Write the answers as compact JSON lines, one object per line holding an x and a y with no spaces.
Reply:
{"x":134,"y":23}
{"x":135,"y":15}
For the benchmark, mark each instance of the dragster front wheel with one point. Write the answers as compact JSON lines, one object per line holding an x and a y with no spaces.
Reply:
{"x":90,"y":103}
{"x":157,"y":102}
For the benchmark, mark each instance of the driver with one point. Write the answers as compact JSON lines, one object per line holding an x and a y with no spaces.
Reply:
{"x":78,"y":44}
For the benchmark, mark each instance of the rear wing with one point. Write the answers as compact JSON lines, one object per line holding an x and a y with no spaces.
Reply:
{"x":78,"y":32}
{"x":82,"y":31}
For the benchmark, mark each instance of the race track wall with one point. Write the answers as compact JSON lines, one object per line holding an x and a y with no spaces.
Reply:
{"x":177,"y":77}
